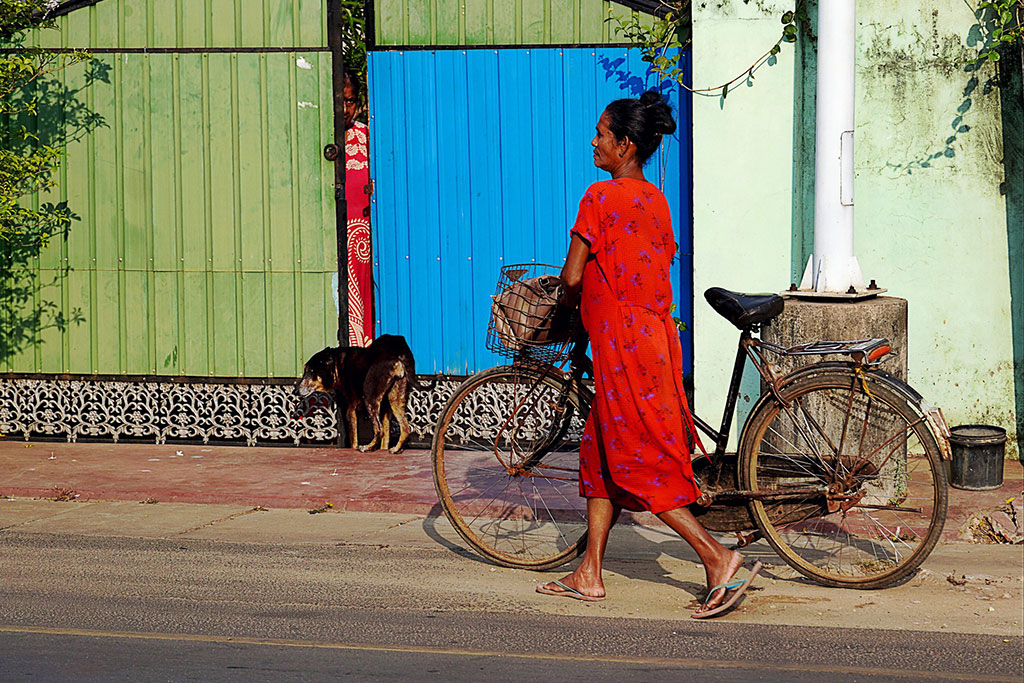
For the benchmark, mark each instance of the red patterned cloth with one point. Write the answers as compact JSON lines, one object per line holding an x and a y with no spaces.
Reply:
{"x":360,"y":250}
{"x":635,"y":447}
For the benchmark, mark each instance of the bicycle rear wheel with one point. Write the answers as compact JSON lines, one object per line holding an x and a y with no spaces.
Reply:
{"x":851,"y":479}
{"x":506,"y":466}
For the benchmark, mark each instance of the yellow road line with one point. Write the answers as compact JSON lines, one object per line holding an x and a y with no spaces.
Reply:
{"x":411,"y":649}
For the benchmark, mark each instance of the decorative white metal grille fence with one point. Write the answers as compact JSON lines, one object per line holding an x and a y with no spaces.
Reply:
{"x":252,"y":412}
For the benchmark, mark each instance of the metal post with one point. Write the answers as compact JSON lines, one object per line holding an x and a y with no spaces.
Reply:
{"x":369,"y":28}
{"x":833,"y":267}
{"x":334,"y":39}
{"x":336,"y":45}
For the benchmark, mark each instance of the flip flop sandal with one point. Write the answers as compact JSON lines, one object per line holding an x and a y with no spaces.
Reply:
{"x":739,"y":586}
{"x":567,"y":592}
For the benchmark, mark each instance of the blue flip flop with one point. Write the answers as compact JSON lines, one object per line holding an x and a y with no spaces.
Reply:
{"x":567,"y":592}
{"x":739,"y":586}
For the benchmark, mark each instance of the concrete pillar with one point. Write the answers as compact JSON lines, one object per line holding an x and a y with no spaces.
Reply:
{"x":804,"y":320}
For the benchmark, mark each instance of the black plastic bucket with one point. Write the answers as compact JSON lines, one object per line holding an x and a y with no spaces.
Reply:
{"x":978,"y":453}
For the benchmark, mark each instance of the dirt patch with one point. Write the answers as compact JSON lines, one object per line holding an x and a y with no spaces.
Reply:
{"x":62,"y":493}
{"x":1003,"y":525}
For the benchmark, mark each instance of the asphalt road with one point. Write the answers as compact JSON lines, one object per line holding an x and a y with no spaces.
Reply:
{"x":108,"y":609}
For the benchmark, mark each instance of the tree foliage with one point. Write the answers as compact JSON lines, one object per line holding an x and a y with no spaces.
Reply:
{"x":663,"y":42}
{"x":39,"y":114}
{"x":28,"y":158}
{"x":353,"y":40}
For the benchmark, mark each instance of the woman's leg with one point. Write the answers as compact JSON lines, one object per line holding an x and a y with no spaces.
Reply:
{"x":720,"y":563}
{"x":601,"y":517}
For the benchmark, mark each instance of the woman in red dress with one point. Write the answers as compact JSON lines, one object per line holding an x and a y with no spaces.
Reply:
{"x":634,"y":453}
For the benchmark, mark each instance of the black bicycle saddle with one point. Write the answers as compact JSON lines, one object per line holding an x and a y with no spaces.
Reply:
{"x":744,"y":310}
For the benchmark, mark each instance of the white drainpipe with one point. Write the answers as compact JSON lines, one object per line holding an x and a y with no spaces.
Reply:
{"x":833,"y":267}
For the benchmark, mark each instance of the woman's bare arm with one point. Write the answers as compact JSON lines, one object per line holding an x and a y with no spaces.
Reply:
{"x":572,"y":271}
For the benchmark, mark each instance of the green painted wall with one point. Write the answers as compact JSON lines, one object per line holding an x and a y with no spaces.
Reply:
{"x":206,"y":239}
{"x":192,"y":23}
{"x":497,"y":22}
{"x":938,"y":191}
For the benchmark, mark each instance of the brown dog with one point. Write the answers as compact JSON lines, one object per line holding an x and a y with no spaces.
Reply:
{"x":364,"y":376}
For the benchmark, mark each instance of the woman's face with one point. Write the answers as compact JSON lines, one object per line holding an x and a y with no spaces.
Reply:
{"x":608,"y":152}
{"x":351,"y":105}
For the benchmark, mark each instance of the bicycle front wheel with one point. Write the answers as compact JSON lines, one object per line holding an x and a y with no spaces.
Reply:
{"x":847,"y":477}
{"x":506,"y":466}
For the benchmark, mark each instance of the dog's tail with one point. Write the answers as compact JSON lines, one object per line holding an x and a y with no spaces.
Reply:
{"x":409,"y":364}
{"x":414,"y":380}
{"x":415,"y":383}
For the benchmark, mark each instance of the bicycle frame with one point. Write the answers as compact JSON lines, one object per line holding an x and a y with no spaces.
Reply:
{"x":863,"y":351}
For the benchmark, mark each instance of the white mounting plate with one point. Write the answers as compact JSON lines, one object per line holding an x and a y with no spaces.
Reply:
{"x":832,"y":296}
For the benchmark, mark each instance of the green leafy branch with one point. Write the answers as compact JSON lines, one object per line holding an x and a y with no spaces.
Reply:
{"x":1000,"y":23}
{"x":353,"y":39}
{"x":28,"y":163}
{"x":20,"y":15}
{"x":663,"y":42}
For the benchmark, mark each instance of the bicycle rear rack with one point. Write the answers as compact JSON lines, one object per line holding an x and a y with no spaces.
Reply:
{"x":859,"y":349}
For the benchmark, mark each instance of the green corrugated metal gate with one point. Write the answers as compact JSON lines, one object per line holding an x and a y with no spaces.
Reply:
{"x":495,"y":22}
{"x":206,"y":240}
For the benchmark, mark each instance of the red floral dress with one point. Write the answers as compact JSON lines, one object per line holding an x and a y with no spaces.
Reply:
{"x":635,"y":448}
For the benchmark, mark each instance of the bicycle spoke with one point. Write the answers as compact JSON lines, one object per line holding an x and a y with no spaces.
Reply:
{"x":551,"y":516}
{"x":796,"y":449}
{"x":907,"y":434}
{"x":494,"y":498}
{"x":809,"y":421}
{"x":842,"y":435}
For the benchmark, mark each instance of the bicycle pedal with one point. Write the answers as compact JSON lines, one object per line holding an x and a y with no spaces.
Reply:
{"x":705,"y":500}
{"x":743,"y":540}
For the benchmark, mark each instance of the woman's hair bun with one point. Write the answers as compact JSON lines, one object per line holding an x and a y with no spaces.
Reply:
{"x":659,"y":112}
{"x":651,"y":97}
{"x":643,"y":121}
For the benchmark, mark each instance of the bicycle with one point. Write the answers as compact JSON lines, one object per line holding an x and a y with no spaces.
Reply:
{"x":838,"y":466}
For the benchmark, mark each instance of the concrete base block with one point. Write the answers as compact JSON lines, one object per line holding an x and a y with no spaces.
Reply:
{"x":804,"y":321}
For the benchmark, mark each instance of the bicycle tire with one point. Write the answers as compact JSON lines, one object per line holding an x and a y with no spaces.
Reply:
{"x":506,"y":467}
{"x":859,"y":434}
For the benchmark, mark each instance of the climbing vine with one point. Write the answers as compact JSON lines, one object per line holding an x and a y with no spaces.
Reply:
{"x":663,"y":42}
{"x":1000,"y":24}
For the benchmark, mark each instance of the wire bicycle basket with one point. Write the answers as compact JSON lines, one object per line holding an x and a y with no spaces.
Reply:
{"x":527,"y":322}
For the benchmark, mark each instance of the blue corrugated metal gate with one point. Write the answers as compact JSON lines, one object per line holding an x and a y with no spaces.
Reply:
{"x":479,"y":158}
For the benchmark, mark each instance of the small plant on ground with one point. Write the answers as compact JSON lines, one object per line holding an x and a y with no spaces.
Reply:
{"x":323,"y":508}
{"x":64,"y":494}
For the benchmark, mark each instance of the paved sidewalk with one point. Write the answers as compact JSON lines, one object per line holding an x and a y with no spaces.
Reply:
{"x":281,"y":477}
{"x":295,"y":478}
